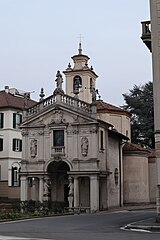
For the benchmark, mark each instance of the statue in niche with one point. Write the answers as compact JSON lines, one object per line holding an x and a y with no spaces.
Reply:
{"x":33,"y":148}
{"x":84,"y":146}
{"x":46,"y":186}
{"x":70,"y":193}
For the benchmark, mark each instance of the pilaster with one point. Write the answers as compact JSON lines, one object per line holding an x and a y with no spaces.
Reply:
{"x":76,"y":192}
{"x":24,"y":188}
{"x":94,"y":193}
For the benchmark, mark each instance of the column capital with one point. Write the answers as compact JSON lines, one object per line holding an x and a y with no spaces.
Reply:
{"x":94,"y":177}
{"x":23,"y":178}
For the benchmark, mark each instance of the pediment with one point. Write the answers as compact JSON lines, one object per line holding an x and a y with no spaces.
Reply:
{"x":57,"y":116}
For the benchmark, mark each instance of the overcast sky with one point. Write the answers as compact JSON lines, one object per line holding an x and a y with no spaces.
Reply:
{"x":39,"y":37}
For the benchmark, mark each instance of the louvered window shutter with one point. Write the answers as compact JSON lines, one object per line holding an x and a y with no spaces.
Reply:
{"x":20,"y":149}
{"x":14,"y":120}
{"x":1,"y":144}
{"x":14,"y":144}
{"x":1,"y":120}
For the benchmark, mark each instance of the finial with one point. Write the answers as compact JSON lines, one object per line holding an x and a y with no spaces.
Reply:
{"x":69,"y":65}
{"x":80,"y":45}
{"x":41,"y":95}
{"x":91,"y":68}
{"x":80,"y":49}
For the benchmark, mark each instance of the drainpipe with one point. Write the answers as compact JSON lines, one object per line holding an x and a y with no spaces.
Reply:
{"x":120,"y":174}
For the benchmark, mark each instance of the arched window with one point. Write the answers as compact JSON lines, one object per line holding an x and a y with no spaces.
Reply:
{"x":77,"y":84}
{"x":15,"y":175}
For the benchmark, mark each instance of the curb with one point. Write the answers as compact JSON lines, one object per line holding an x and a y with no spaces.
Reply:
{"x":143,"y":227}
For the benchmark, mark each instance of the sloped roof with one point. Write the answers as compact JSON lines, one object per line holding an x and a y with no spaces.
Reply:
{"x":103,"y":107}
{"x":152,"y":153}
{"x":8,"y":100}
{"x":135,"y":147}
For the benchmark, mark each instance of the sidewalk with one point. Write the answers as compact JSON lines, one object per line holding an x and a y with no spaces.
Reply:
{"x":149,"y":224}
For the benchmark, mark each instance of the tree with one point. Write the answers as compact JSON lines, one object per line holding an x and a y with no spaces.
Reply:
{"x":139,"y":102}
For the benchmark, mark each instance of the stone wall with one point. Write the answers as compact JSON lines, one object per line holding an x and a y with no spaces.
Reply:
{"x":136,"y":178}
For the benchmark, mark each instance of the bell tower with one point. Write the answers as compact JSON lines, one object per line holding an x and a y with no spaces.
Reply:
{"x":81,"y":79}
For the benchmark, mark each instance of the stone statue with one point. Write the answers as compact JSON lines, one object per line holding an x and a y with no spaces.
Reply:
{"x":84,"y":146}
{"x":94,"y":95}
{"x":46,"y":186}
{"x":33,"y":148}
{"x":70,"y":193}
{"x":59,"y":80}
{"x":70,"y":185}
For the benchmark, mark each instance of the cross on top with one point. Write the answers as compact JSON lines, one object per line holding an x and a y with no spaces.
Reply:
{"x":80,"y":38}
{"x":80,"y":47}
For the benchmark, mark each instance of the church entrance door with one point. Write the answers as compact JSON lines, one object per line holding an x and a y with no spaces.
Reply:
{"x":57,"y":172}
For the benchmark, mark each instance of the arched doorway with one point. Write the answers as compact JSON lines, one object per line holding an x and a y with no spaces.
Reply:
{"x":57,"y":172}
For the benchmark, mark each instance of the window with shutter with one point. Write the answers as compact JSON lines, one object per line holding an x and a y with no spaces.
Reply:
{"x":1,"y":120}
{"x":17,"y":145}
{"x":1,"y":144}
{"x":15,"y":176}
{"x":17,"y":120}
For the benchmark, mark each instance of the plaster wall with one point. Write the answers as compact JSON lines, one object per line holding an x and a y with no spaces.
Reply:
{"x":136,"y":178}
{"x":4,"y":169}
{"x":120,"y":122}
{"x":152,"y":179}
{"x":113,"y":162}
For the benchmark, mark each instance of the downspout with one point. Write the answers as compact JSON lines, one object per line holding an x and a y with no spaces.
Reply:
{"x":120,"y":174}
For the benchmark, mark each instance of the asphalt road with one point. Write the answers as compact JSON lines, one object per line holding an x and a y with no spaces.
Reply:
{"x":101,"y":226}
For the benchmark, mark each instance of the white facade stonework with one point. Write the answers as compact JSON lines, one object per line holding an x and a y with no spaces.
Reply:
{"x":65,"y":142}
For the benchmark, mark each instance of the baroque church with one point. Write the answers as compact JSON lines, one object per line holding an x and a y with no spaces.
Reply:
{"x":71,"y":147}
{"x":70,"y":152}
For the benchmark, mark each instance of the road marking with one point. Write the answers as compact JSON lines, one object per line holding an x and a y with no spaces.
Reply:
{"x":19,"y":238}
{"x":139,"y":230}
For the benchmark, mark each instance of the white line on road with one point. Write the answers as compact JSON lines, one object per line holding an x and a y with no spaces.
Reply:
{"x":134,"y":229}
{"x":19,"y":238}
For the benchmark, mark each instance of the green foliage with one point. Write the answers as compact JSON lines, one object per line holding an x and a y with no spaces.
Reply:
{"x":139,"y":102}
{"x":28,"y":209}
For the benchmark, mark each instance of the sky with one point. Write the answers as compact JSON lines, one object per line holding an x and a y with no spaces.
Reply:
{"x":39,"y":37}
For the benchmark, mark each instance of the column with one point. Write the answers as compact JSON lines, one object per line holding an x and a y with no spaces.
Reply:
{"x":24,"y":188}
{"x":94,"y":193}
{"x":76,"y":192}
{"x":33,"y":189}
{"x":41,"y":189}
{"x":157,"y":148}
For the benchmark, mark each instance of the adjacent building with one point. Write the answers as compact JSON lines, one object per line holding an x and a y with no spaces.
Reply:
{"x":12,"y":104}
{"x":151,"y":37}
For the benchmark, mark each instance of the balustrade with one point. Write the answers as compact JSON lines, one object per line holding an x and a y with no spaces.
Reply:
{"x":65,"y":99}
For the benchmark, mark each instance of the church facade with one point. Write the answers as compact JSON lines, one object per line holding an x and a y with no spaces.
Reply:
{"x":71,"y":153}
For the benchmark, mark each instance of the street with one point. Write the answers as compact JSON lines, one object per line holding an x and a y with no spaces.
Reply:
{"x":100,"y":226}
